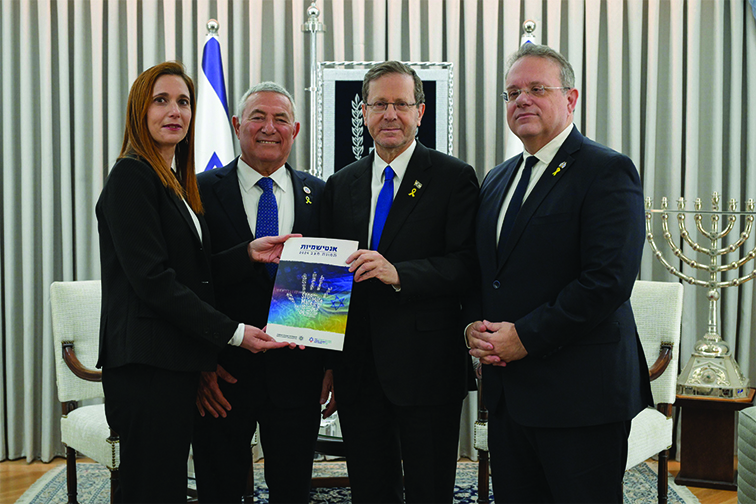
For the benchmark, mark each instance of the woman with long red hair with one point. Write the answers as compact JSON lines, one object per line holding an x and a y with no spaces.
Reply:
{"x":158,"y":327}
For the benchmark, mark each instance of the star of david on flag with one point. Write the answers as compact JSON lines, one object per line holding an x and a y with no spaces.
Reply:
{"x":213,"y":144}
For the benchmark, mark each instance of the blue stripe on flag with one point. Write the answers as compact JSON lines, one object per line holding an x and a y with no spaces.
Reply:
{"x":214,"y":162}
{"x":213,"y":68}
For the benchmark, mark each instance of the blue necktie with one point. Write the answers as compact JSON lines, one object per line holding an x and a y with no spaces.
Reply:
{"x":516,"y":202}
{"x":382,"y":207}
{"x":267,"y":217}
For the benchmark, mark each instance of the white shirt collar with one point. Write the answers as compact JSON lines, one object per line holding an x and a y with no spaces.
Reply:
{"x":398,"y":165}
{"x":248,"y":176}
{"x":547,"y":152}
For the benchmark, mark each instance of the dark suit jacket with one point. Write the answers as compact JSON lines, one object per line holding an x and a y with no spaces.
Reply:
{"x":415,"y":334}
{"x":244,"y":289}
{"x":564,"y":279}
{"x":157,"y":289}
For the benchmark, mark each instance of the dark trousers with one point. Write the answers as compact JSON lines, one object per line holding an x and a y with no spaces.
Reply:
{"x":152,"y":410}
{"x":566,"y":465}
{"x":381,"y":437}
{"x":222,"y":453}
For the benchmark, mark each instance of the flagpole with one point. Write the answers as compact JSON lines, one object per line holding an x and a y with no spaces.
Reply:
{"x":512,"y":144}
{"x":313,"y":26}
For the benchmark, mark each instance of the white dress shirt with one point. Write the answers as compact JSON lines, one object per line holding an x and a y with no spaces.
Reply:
{"x":545,"y":155}
{"x":399,"y":166}
{"x":283,"y":191}
{"x":195,"y":220}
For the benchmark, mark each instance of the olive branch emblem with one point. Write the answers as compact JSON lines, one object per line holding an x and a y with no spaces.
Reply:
{"x":357,"y":146}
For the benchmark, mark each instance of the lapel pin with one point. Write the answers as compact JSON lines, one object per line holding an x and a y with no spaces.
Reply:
{"x":308,"y":200}
{"x":559,"y":168}
{"x":417,"y":185}
{"x":306,"y":190}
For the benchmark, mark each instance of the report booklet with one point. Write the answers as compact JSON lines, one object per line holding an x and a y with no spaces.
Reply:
{"x":311,"y":295}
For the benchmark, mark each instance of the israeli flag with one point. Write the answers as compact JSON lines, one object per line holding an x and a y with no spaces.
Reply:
{"x":213,"y":145}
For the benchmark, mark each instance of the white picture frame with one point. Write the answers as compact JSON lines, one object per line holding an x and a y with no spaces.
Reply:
{"x":338,"y":98}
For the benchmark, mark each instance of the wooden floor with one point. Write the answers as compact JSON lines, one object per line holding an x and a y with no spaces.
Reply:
{"x":17,"y":476}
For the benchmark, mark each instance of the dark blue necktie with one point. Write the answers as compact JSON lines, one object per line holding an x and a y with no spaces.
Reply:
{"x":382,"y":207}
{"x":267,"y":217}
{"x":516,"y":202}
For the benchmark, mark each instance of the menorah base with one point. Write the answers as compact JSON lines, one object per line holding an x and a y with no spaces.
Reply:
{"x":707,"y":376}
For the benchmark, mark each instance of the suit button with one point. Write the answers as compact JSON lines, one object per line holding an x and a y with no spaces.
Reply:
{"x":496,"y":284}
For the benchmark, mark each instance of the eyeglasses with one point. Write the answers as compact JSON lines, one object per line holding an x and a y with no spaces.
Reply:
{"x":382,"y":106}
{"x":533,"y":91}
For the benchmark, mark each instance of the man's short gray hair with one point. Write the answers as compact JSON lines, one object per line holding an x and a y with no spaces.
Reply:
{"x":265,"y":86}
{"x":566,"y":73}
{"x":392,"y":67}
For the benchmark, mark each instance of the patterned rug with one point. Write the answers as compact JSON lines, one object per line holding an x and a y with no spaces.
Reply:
{"x":94,"y":487}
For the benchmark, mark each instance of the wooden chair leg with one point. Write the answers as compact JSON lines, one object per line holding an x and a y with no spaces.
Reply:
{"x":71,"y":474}
{"x":663,"y":476}
{"x":114,"y":441}
{"x":483,"y":490}
{"x":113,"y":484}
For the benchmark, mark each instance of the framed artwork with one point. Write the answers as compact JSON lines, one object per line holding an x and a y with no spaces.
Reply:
{"x":341,"y":136}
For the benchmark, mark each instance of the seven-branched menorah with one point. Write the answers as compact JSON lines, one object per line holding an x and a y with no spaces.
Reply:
{"x":711,"y":370}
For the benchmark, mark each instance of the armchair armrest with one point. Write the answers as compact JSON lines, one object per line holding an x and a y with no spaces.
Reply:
{"x":75,"y":365}
{"x":665,"y":356}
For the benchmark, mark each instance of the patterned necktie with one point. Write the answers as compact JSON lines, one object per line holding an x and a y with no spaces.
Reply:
{"x":267,"y":217}
{"x":516,"y":202}
{"x":382,"y":207}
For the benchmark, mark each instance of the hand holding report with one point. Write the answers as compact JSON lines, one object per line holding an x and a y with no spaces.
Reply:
{"x":268,"y":248}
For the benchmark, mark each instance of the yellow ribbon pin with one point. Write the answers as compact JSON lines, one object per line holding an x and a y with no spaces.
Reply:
{"x":307,"y":200}
{"x":412,"y":192}
{"x":559,"y":168}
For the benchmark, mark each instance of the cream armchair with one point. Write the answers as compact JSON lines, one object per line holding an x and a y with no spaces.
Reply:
{"x":76,"y":327}
{"x":657,"y":307}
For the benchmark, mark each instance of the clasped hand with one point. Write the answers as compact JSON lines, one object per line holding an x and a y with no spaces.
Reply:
{"x":495,"y":343}
{"x":327,"y":390}
{"x":210,"y":398}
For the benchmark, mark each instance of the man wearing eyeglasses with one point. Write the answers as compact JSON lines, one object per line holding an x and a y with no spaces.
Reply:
{"x":559,"y":236}
{"x":402,"y":375}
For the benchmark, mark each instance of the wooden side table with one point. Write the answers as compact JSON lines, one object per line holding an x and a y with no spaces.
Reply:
{"x":707,"y":455}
